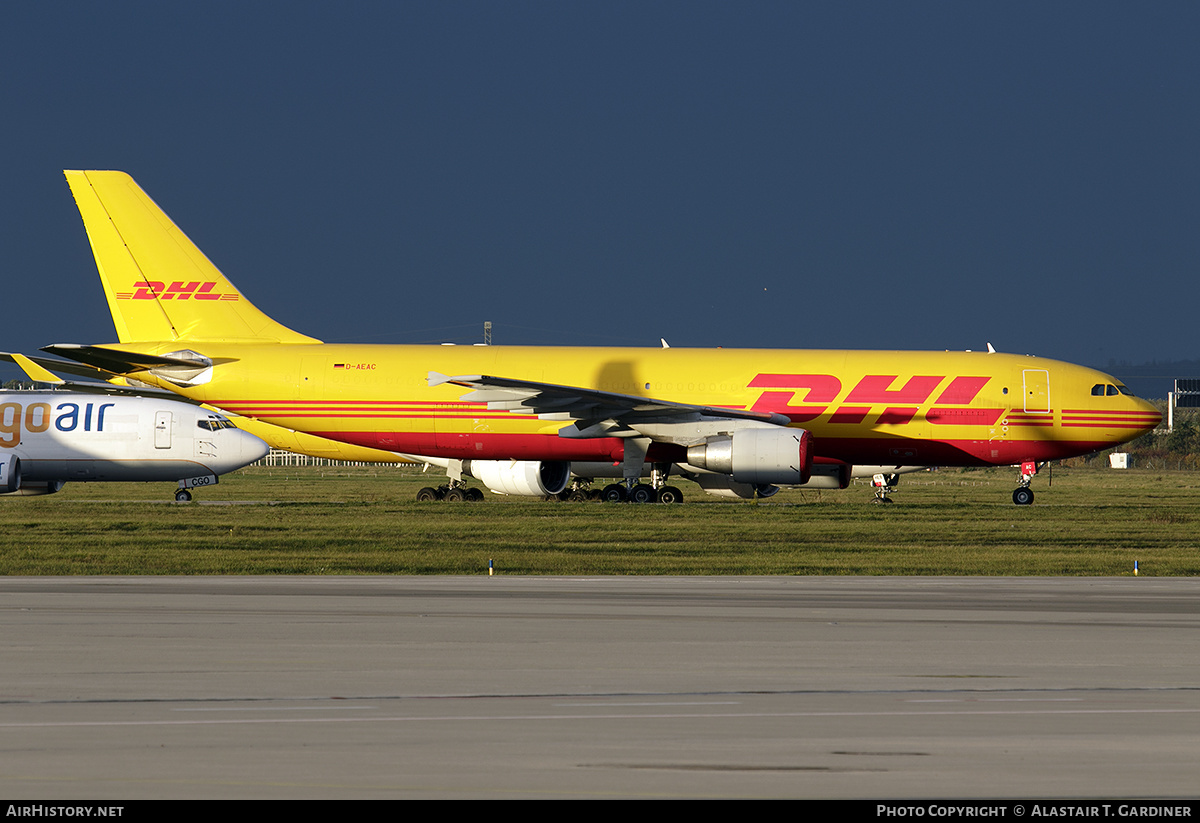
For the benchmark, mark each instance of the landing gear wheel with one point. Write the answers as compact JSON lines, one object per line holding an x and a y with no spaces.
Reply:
{"x":670,"y":494}
{"x":1023,"y":496}
{"x":427,"y":495}
{"x":577,"y":496}
{"x":884,"y":485}
{"x":183,"y":496}
{"x":474,"y":495}
{"x":641,"y":493}
{"x":614,"y":493}
{"x":455,"y":496}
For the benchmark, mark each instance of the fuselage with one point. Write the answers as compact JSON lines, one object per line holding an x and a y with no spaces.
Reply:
{"x":61,"y":436}
{"x":862,"y":407}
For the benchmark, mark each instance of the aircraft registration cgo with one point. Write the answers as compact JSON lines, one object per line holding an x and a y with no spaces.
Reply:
{"x":545,"y":421}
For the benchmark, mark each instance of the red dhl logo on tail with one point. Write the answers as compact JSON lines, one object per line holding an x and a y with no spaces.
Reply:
{"x":178,"y":290}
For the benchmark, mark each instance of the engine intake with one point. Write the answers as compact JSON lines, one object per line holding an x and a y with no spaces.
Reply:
{"x":531,"y":478}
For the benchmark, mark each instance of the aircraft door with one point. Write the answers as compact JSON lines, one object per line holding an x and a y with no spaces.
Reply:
{"x":1037,"y":391}
{"x":162,"y":430}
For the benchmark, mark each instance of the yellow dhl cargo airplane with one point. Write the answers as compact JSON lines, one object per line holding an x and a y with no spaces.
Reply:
{"x":522,"y":419}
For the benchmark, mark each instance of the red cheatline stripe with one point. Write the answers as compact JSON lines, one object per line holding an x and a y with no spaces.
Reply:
{"x":1107,"y":425}
{"x":348,"y":402}
{"x":253,"y":408}
{"x":335,"y":409}
{"x":387,"y":416}
{"x":1109,"y":417}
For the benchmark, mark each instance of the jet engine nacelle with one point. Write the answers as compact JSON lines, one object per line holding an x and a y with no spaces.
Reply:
{"x":34,"y":488}
{"x":722,"y":485}
{"x":10,"y":473}
{"x":757,"y":456}
{"x":530,"y":478}
{"x":830,"y":476}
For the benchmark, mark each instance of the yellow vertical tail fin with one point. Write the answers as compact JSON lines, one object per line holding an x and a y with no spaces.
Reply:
{"x":158,"y":284}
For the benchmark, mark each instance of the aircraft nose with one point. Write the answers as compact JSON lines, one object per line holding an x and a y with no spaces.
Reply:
{"x":238,"y":448}
{"x":1153,"y":417}
{"x":250,"y":448}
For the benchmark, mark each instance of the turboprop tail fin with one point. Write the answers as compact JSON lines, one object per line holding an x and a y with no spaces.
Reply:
{"x":159,"y":285}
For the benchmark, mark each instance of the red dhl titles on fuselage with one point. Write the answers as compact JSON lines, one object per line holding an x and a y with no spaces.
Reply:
{"x":971,"y":418}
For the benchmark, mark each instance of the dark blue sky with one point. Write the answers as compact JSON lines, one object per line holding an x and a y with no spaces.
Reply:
{"x":849,"y":175}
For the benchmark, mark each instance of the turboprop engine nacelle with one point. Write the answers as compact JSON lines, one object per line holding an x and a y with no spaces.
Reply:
{"x":531,"y":478}
{"x":757,"y":456}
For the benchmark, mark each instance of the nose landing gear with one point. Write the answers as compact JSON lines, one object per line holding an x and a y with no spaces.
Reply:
{"x":884,"y":485}
{"x":1023,"y":495}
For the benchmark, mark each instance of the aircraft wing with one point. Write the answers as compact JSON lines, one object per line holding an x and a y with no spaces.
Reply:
{"x":606,"y":414}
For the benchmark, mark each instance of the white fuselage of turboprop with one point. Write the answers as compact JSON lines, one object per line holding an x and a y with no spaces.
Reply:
{"x":50,"y":437}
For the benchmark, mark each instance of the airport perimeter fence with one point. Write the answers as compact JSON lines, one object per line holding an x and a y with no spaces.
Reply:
{"x":279,"y":457}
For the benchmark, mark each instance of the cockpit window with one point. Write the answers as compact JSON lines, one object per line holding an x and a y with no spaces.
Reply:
{"x":1109,"y":390}
{"x":213,"y":423}
{"x":1098,"y":390}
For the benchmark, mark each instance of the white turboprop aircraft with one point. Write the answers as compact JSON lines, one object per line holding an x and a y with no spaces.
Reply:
{"x":50,"y":437}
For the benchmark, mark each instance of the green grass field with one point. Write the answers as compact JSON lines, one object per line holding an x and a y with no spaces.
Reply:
{"x":1085,"y":521}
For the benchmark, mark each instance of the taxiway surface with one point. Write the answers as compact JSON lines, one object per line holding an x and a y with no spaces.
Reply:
{"x":403,"y":687}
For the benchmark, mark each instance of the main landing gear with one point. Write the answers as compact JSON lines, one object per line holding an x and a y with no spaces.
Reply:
{"x":1023,"y":495}
{"x":452,"y":492}
{"x":656,"y":491}
{"x":640,"y":493}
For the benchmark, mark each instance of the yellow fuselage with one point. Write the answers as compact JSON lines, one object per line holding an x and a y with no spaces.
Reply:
{"x":862,"y":407}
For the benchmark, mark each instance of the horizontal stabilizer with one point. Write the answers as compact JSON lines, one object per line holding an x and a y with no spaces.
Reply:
{"x":35,"y":372}
{"x":116,"y":361}
{"x":34,"y":368}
